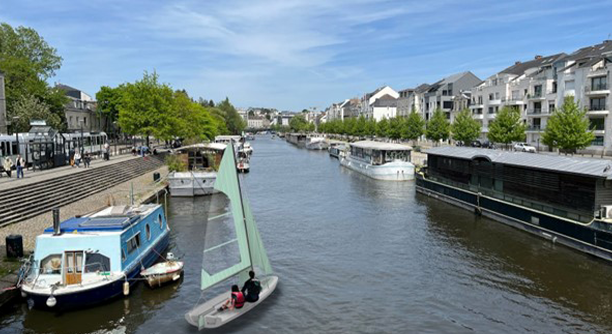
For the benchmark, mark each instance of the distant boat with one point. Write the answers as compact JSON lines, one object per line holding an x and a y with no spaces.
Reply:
{"x":89,"y":259}
{"x":380,"y":161}
{"x":201,"y":161}
{"x":316,"y":142}
{"x":241,"y":252}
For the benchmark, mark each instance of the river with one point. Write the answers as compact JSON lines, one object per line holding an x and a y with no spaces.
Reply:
{"x":355,"y":255}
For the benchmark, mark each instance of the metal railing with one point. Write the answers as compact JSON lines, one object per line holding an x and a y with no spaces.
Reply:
{"x":535,"y":128}
{"x":597,"y":87}
{"x":597,"y":107}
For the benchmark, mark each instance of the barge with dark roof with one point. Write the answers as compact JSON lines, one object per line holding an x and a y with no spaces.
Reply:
{"x":565,"y":199}
{"x":89,"y":259}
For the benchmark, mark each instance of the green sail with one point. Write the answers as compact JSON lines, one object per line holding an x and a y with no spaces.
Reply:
{"x":227,"y":183}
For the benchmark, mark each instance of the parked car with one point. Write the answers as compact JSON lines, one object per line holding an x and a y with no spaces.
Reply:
{"x":524,"y":147}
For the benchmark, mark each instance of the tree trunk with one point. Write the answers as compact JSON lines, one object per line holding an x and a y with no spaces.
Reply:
{"x":148,"y":141}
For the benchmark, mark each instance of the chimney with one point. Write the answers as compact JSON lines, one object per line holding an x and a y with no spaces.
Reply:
{"x":517,"y":62}
{"x":56,"y":222}
{"x":538,"y":57}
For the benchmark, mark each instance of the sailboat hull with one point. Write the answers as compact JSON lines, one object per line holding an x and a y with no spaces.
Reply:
{"x":207,"y":315}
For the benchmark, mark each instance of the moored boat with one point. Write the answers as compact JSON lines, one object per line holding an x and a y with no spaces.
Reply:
{"x":163,"y":272}
{"x":201,"y":161}
{"x":89,"y":259}
{"x":337,"y":148}
{"x":563,"y":199}
{"x":380,"y":161}
{"x":316,"y":142}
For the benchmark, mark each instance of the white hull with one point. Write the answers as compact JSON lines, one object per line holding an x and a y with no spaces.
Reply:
{"x":189,"y":184}
{"x":391,"y":171}
{"x":316,"y":144}
{"x":207,"y":316}
{"x":162,"y":272}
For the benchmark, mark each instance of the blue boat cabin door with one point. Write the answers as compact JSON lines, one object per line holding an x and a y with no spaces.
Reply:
{"x":73,"y":267}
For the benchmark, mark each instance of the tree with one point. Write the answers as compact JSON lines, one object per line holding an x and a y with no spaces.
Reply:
{"x":568,"y":128}
{"x":370,"y":129}
{"x":234,"y":122}
{"x":507,"y":127}
{"x":147,"y":108}
{"x":414,"y":127}
{"x":27,"y":61}
{"x":109,"y":100}
{"x":30,"y":108}
{"x":360,"y":127}
{"x":438,"y":127}
{"x":191,"y":120}
{"x":395,"y":128}
{"x":465,"y":128}
{"x":382,"y":128}
{"x":298,"y":123}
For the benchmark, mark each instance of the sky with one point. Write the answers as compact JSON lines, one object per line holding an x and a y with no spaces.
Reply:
{"x":301,"y":54}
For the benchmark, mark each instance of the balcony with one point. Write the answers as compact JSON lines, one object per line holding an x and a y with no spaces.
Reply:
{"x":495,"y":102}
{"x":514,"y":100}
{"x":536,"y":112}
{"x":599,"y":89}
{"x":536,"y":96}
{"x":597,"y":109}
{"x":478,"y":116}
{"x":477,"y":106}
{"x":535,"y":128}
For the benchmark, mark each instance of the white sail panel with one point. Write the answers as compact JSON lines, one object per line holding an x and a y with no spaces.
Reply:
{"x":259,"y":257}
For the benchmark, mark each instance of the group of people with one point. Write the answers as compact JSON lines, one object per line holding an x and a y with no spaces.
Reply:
{"x":77,"y":158}
{"x":249,"y":294}
{"x":19,"y":165}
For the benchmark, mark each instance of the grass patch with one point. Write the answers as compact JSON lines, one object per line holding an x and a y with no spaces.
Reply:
{"x":8,"y":266}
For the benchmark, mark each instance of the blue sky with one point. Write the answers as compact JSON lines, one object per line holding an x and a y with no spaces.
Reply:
{"x":295,"y":54}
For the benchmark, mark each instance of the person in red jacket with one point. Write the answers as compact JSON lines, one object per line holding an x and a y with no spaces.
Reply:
{"x":236,"y":300}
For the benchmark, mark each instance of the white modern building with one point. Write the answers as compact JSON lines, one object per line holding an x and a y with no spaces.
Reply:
{"x":379,"y":104}
{"x":81,"y":111}
{"x":258,"y":122}
{"x":441,"y":94}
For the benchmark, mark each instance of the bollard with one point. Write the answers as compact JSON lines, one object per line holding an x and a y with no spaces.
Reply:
{"x":14,"y":246}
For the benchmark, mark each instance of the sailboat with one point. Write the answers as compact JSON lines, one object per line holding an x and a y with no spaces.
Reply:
{"x":232,"y":238}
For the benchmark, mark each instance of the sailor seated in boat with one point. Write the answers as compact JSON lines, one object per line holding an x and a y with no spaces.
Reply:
{"x":252,"y":287}
{"x":235,"y":301}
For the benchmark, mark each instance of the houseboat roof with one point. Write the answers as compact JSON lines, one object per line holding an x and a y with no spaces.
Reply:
{"x":212,"y":146}
{"x":600,"y":168}
{"x":376,"y":145}
{"x":95,"y":224}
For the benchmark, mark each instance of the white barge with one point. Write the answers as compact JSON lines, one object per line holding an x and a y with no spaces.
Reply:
{"x":380,"y":161}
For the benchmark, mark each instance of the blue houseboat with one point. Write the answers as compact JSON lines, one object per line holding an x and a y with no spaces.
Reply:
{"x":565,"y":199}
{"x":88,"y":259}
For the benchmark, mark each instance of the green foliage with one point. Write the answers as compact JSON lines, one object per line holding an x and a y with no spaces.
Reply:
{"x":147,"y":108}
{"x":414,"y":126}
{"x":382,"y":128}
{"x":109,"y":99}
{"x":465,"y":128}
{"x":235,"y":124}
{"x":191,"y":120}
{"x":568,"y":128}
{"x":438,"y":127}
{"x":360,"y":127}
{"x":298,"y":123}
{"x":395,"y":127}
{"x":507,"y":127}
{"x":370,"y":129}
{"x":30,"y":108}
{"x":175,"y":163}
{"x":27,"y":61}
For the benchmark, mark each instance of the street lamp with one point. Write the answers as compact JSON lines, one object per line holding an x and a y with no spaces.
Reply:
{"x":14,"y":121}
{"x":81,"y":144}
{"x":115,"y":135}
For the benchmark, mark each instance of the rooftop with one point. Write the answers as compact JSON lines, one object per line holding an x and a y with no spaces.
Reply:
{"x":91,"y":224}
{"x":376,"y":145}
{"x":557,"y":163}
{"x":520,"y":67}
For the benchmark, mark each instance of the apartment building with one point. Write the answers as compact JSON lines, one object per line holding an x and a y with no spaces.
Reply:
{"x":441,"y":94}
{"x":81,"y":111}
{"x":527,"y":86}
{"x":379,"y":104}
{"x":461,"y":101}
{"x":585,"y":74}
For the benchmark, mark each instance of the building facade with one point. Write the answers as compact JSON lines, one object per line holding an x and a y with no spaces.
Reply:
{"x":81,"y":111}
{"x":441,"y":94}
{"x":379,"y":104}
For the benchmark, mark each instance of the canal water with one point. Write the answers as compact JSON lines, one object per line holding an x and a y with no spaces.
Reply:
{"x":356,"y":255}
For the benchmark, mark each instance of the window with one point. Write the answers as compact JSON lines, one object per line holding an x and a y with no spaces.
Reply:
{"x":599,"y":83}
{"x":554,"y":87}
{"x":148,"y":230}
{"x":537,"y":91}
{"x":84,"y":120}
{"x":597,"y":123}
{"x":133,"y":243}
{"x":491,"y":97}
{"x":537,"y":107}
{"x":497,"y":95}
{"x":598,"y":141}
{"x":570,"y":85}
{"x":160,"y":220}
{"x":551,"y":107}
{"x":598,"y":104}
{"x":96,"y":262}
{"x":447,"y":104}
{"x":52,"y":264}
{"x":491,"y":110}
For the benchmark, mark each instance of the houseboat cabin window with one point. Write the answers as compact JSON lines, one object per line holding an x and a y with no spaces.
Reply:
{"x":123,"y":257}
{"x":52,"y":264}
{"x":397,"y":155}
{"x":148,"y":229}
{"x":96,"y":262}
{"x":74,"y":262}
{"x":161,"y":221}
{"x":133,"y":243}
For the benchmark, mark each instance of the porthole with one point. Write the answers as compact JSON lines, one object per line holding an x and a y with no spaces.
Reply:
{"x":161,"y":221}
{"x":148,"y":230}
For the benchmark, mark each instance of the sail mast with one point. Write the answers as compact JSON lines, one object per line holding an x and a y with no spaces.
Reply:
{"x":246,"y":230}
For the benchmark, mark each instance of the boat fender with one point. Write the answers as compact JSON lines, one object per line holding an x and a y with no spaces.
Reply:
{"x":51,"y":301}
{"x":176,"y":277}
{"x":23,"y":294}
{"x":126,"y":288}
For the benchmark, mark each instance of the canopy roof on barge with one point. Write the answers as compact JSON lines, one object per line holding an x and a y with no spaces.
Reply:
{"x":601,"y":168}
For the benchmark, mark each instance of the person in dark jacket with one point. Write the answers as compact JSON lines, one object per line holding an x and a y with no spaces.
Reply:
{"x":252,"y":287}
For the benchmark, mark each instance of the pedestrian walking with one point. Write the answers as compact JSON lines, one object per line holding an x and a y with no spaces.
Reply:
{"x":8,"y":165}
{"x":106,"y":151}
{"x":77,"y":158}
{"x":87,"y":160}
{"x":20,"y":163}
